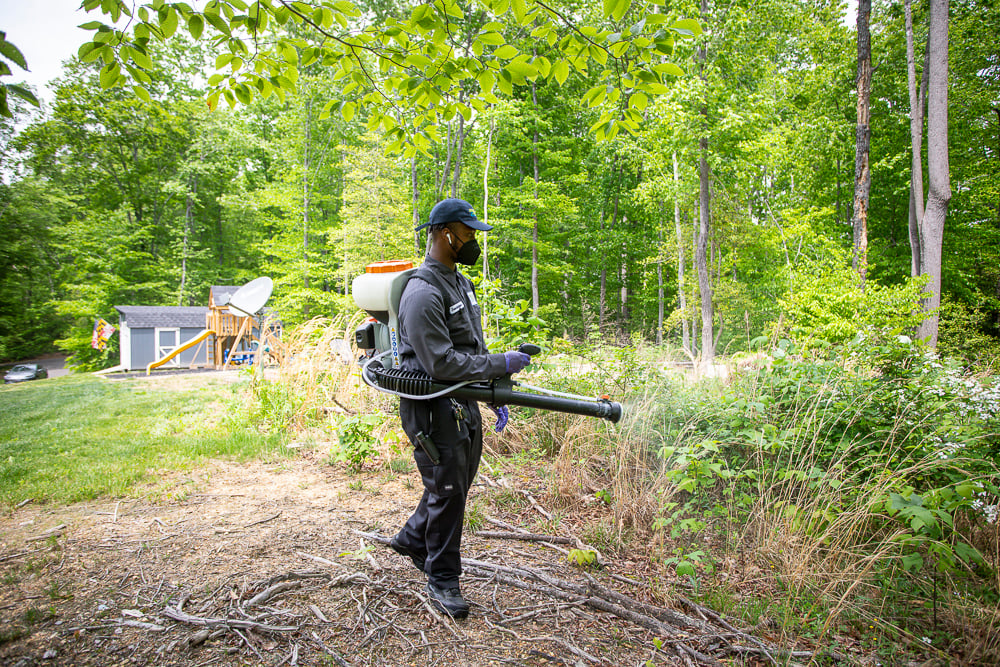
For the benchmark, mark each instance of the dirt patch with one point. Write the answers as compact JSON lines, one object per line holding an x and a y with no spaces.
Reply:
{"x":96,"y":583}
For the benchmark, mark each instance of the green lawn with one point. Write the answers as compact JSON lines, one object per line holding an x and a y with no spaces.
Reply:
{"x":79,"y":437}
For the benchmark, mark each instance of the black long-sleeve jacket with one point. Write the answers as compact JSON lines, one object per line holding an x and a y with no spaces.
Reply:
{"x":440,"y":327}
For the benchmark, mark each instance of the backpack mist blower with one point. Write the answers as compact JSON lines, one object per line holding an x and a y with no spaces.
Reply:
{"x":377,"y":291}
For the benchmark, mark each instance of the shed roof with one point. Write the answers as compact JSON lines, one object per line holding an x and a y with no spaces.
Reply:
{"x":220,"y":295}
{"x":145,"y":317}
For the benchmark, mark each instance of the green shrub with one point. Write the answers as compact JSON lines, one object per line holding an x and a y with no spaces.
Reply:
{"x":356,"y":440}
{"x":825,"y":305}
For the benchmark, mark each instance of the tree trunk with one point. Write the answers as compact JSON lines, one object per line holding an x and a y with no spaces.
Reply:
{"x":603,"y":303}
{"x":416,"y":208}
{"x":704,"y":226}
{"x":681,"y":294}
{"x":486,"y":202}
{"x":459,"y":146}
{"x":932,"y":230}
{"x":534,"y":226}
{"x":306,"y":145}
{"x":916,"y":213}
{"x":701,"y":257}
{"x":862,"y":167}
{"x":188,"y":205}
{"x":623,"y":312}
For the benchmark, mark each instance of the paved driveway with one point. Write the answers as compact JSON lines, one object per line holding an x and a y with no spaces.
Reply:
{"x":55,"y":364}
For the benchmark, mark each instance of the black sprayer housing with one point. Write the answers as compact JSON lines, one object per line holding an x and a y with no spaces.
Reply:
{"x":498,"y":392}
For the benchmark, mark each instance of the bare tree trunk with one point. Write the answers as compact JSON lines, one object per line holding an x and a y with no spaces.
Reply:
{"x":486,"y":201}
{"x":704,"y":226}
{"x":459,"y":146}
{"x":681,"y":294}
{"x":916,"y":214}
{"x":659,"y":285}
{"x":444,"y":170}
{"x":534,"y":226}
{"x":862,"y":167}
{"x":603,"y":303}
{"x":701,"y":257}
{"x":306,"y":146}
{"x":623,"y":311}
{"x":416,"y":206}
{"x":188,"y":217}
{"x":939,"y":194}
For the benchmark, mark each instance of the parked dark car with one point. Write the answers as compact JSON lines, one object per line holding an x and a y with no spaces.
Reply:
{"x":25,"y":372}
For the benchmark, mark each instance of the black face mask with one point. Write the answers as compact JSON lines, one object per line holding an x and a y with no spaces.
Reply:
{"x":469,"y":253}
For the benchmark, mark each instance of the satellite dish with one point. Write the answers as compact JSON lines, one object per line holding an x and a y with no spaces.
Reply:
{"x":249,"y":299}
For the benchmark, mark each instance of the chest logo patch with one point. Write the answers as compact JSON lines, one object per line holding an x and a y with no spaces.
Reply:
{"x":472,"y":298}
{"x":455,"y":308}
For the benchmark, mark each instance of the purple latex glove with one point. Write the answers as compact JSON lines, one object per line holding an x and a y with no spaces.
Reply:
{"x":503,"y":414}
{"x":516,"y":361}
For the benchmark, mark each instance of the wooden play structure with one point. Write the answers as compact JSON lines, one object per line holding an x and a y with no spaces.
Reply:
{"x":237,"y":331}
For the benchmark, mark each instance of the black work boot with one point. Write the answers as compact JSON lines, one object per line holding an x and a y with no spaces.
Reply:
{"x":448,"y":600}
{"x":415,"y":556}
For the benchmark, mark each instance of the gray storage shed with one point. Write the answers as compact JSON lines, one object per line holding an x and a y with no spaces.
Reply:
{"x":150,"y":332}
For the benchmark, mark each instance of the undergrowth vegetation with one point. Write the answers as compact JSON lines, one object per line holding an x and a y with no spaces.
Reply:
{"x":852,"y":491}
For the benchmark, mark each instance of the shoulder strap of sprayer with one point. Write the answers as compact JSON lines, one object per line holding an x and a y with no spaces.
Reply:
{"x":433,"y":279}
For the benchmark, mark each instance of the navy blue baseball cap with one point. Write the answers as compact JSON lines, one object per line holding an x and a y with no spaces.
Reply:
{"x":454,"y":210}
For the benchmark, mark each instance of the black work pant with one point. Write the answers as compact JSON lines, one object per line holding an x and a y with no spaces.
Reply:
{"x":435,"y":528}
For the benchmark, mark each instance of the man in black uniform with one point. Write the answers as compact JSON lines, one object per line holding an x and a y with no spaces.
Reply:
{"x":441,"y":334}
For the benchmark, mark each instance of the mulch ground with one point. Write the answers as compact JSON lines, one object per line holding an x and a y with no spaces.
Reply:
{"x":104,"y":583}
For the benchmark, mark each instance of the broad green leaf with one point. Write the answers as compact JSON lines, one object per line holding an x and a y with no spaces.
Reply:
{"x":616,"y":9}
{"x":544,"y":66}
{"x":23,"y":93}
{"x":670,"y":69}
{"x":912,"y":561}
{"x":598,"y":54}
{"x":12,"y":53}
{"x":243,"y":93}
{"x":222,"y":60}
{"x":218,"y":23}
{"x":491,"y":39}
{"x":486,"y":81}
{"x":141,"y":59}
{"x":89,"y":52}
{"x":520,"y":10}
{"x":687,"y":27}
{"x":168,"y":21}
{"x":142,"y":93}
{"x":506,"y":52}
{"x":639,"y":101}
{"x":685,"y":569}
{"x":347,"y":110}
{"x":109,"y":75}
{"x":196,"y":24}
{"x":560,"y":70}
{"x":619,"y":49}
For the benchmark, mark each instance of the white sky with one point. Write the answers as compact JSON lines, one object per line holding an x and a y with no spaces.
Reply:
{"x":45,"y":31}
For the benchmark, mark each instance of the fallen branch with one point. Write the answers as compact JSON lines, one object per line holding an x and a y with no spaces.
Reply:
{"x":182,"y":617}
{"x":18,"y":555}
{"x":270,"y":592}
{"x":51,"y":532}
{"x":264,"y":520}
{"x":527,"y":537}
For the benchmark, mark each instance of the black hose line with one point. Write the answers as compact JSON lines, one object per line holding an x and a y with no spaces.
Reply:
{"x":497,"y":392}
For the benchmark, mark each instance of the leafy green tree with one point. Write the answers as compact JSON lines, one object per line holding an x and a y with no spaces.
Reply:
{"x":408,"y":72}
{"x":10,"y":54}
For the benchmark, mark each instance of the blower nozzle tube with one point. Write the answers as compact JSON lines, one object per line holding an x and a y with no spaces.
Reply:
{"x":413,"y":384}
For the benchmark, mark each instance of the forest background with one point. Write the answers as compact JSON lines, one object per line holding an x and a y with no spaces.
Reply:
{"x":113,"y":200}
{"x":666,"y":182}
